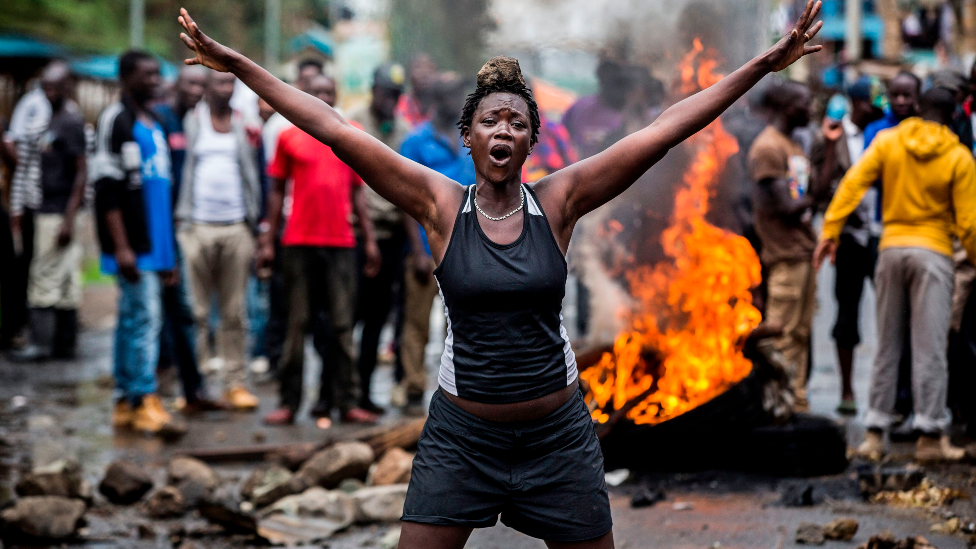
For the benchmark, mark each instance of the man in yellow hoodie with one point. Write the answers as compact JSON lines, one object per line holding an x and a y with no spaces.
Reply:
{"x":928,"y":183}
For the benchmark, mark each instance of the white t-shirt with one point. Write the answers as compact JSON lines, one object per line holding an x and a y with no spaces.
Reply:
{"x":32,"y":111}
{"x":869,"y":204}
{"x":270,"y":132}
{"x":218,"y":191}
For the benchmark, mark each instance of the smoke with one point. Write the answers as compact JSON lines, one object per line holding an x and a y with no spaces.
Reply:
{"x":653,"y":33}
{"x":627,"y":231}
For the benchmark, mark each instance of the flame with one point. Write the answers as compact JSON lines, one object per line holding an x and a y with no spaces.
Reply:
{"x":692,"y":310}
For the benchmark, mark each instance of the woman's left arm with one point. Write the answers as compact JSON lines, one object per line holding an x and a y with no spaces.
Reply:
{"x":587,"y":185}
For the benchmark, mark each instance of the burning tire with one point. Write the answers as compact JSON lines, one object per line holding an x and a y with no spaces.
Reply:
{"x":699,"y":439}
{"x":731,"y":432}
{"x":806,"y":446}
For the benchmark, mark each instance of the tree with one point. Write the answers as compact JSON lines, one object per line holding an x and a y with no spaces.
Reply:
{"x":103,"y":25}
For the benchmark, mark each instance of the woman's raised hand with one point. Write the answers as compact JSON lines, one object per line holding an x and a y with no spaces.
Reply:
{"x":209,"y":53}
{"x":794,"y":45}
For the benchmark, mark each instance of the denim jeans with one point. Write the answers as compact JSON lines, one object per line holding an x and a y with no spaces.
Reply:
{"x":137,"y":336}
{"x":257,"y":313}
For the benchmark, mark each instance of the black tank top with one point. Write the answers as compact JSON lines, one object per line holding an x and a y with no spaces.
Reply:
{"x":505,"y":338}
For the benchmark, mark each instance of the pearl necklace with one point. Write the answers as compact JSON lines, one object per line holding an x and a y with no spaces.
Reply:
{"x":506,"y":216}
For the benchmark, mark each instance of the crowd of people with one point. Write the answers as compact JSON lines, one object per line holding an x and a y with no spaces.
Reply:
{"x":233,"y":238}
{"x":893,"y":173}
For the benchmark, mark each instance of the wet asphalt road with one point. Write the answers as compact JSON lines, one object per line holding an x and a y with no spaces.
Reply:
{"x":67,"y":406}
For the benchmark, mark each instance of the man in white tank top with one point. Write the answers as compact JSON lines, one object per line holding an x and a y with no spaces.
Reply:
{"x":218,"y":210}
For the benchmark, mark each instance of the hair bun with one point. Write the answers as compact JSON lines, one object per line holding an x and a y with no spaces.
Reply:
{"x":500,"y":71}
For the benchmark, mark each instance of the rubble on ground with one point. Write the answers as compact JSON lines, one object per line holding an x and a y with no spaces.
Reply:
{"x":925,"y":495}
{"x":227,"y":508}
{"x":950,"y":526}
{"x":193,"y":478}
{"x":393,"y":468}
{"x":380,"y":503}
{"x":311,"y":516}
{"x":336,"y":463}
{"x":808,"y":533}
{"x":43,"y":518}
{"x":167,"y":502}
{"x":888,"y":541}
{"x":646,"y":497}
{"x":877,"y":478}
{"x":125,"y":483}
{"x":267,"y":485}
{"x":842,"y":529}
{"x":319,"y":494}
{"x":60,"y":478}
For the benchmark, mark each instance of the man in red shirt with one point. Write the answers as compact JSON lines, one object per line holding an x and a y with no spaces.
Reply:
{"x":319,"y":258}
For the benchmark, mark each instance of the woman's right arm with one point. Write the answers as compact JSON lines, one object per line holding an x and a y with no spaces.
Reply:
{"x":415,"y":189}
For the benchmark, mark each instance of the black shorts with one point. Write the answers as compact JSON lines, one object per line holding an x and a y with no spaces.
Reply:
{"x":545,"y":478}
{"x":854,"y":264}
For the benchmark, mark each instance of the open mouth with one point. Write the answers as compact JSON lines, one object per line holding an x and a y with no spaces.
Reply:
{"x":500,"y":154}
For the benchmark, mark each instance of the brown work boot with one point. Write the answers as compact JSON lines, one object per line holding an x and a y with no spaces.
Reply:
{"x":241,"y":399}
{"x":936,"y":448}
{"x":202,"y":405}
{"x":873,"y":446}
{"x":122,"y":415}
{"x":150,"y":417}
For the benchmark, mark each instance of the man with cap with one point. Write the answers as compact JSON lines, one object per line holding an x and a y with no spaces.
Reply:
{"x":839,"y":146}
{"x":376,"y":294}
{"x":956,"y":83}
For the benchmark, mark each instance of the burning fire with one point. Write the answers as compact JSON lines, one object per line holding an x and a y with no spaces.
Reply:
{"x":691,"y":311}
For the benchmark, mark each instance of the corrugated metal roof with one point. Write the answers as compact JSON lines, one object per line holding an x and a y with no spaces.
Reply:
{"x":319,"y":39}
{"x":22,"y":46}
{"x":106,"y":67}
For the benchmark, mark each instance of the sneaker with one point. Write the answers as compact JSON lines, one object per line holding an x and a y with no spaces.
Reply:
{"x":260,"y":365}
{"x":936,"y":448}
{"x":122,"y":415}
{"x":873,"y":446}
{"x":358,"y":415}
{"x":904,"y":431}
{"x":847,"y":408}
{"x":30,"y":353}
{"x":213,"y":366}
{"x":241,"y":399}
{"x":202,"y":405}
{"x":150,"y":417}
{"x":281,"y":416}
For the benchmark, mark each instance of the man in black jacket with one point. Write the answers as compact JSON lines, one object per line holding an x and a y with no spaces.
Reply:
{"x":133,"y":203}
